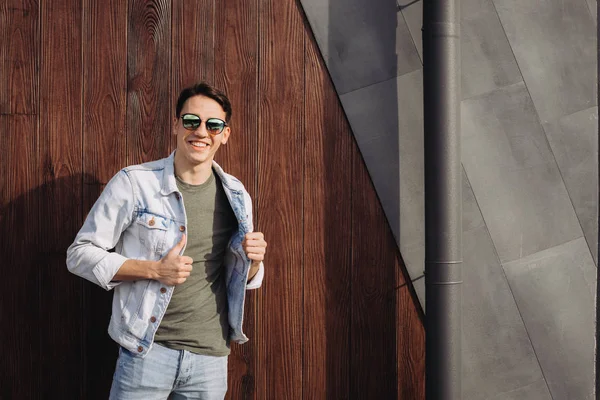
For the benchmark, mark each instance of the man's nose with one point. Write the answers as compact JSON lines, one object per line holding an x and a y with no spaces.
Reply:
{"x":201,"y":130}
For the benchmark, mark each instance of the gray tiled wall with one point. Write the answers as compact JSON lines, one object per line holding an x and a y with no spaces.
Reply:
{"x":554,"y":290}
{"x":554,"y":42}
{"x":574,"y":142}
{"x":514,"y":175}
{"x":592,"y":4}
{"x":529,"y":138}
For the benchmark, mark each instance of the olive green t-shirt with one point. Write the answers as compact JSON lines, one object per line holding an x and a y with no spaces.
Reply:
{"x":196,"y":318}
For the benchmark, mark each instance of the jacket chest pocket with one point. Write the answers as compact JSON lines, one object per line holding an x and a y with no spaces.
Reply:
{"x":152,"y":232}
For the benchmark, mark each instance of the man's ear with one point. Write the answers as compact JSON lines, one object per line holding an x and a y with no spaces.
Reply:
{"x":226,"y":133}
{"x":175,"y":120}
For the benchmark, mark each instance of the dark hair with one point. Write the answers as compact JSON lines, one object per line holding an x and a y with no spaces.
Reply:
{"x":204,"y":89}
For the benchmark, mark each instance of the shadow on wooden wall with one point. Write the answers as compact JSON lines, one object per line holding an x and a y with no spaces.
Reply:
{"x":54,"y":336}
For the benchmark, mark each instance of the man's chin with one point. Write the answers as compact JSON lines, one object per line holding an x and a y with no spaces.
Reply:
{"x":197,"y":159}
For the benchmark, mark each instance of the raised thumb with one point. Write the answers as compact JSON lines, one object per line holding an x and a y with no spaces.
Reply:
{"x":179,"y":246}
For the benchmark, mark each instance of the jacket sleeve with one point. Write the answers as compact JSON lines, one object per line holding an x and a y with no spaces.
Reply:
{"x":257,"y":279}
{"x":112,"y":213}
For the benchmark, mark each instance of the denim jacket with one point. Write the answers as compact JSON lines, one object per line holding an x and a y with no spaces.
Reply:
{"x":141,"y":215}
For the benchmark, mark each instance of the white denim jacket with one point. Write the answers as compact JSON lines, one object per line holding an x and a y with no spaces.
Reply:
{"x":141,"y":215}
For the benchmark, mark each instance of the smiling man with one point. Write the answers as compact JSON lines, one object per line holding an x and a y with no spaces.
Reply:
{"x":184,"y":255}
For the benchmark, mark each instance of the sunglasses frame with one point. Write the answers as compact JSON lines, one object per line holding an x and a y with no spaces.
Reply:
{"x":205,"y":124}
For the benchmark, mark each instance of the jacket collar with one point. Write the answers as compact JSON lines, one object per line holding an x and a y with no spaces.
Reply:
{"x":169,"y":184}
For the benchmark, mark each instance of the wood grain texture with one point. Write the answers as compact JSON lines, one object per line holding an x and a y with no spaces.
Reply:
{"x":60,"y":213}
{"x":193,"y":47}
{"x":148,"y":80}
{"x":236,"y":73}
{"x":19,"y":228}
{"x":373,"y":344}
{"x":280,"y":142}
{"x":410,"y":339}
{"x":19,"y":56}
{"x":105,"y":146}
{"x":327,"y":235}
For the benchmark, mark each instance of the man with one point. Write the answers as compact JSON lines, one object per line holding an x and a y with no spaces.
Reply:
{"x":184,"y":254}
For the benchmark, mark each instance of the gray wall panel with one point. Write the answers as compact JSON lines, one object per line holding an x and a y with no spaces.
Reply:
{"x":514,"y":175}
{"x":395,"y":161}
{"x":419,"y":286}
{"x":535,"y":391}
{"x":488,"y":62}
{"x":487,"y":59}
{"x":373,"y":115}
{"x":574,"y":141}
{"x":497,"y":353}
{"x":472,"y":217}
{"x":412,"y":197}
{"x":413,"y":15}
{"x":363,"y":43}
{"x":592,"y":6}
{"x":554,"y":44}
{"x":555,"y":292}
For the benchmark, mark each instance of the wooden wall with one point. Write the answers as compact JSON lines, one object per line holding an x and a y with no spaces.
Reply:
{"x":87,"y":87}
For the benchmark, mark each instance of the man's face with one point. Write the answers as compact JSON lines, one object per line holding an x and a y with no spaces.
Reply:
{"x":199,"y":146}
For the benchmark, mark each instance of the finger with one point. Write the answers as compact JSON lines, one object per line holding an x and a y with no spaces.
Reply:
{"x":186,"y":260}
{"x":256,"y":256}
{"x":186,"y":268}
{"x":255,"y":243}
{"x":179,"y":246}
{"x":255,"y":249}
{"x":254,"y":235}
{"x":255,"y":239}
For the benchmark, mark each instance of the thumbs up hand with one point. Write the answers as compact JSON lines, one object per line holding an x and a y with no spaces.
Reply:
{"x":174,"y":269}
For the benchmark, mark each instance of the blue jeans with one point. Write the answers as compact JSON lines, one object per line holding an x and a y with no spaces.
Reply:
{"x":165,"y":372}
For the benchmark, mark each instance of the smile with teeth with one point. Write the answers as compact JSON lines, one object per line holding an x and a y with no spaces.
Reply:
{"x":199,"y":144}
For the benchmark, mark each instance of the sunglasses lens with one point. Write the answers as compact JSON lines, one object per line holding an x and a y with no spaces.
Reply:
{"x":190,"y":121}
{"x":215,"y":125}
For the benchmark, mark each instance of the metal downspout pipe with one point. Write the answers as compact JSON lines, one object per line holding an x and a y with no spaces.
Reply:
{"x":443,"y":199}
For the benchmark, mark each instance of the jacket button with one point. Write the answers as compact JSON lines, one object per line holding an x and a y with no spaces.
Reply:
{"x":151,"y":222}
{"x":182,"y":228}
{"x":163,"y":290}
{"x":153,"y":319}
{"x":177,"y":196}
{"x":140,"y":349}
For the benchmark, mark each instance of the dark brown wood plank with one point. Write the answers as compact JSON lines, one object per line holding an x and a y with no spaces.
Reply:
{"x":105,"y":146}
{"x":281,"y":138}
{"x":60,"y":149}
{"x":192,"y":47}
{"x":327,"y":235}
{"x":236,"y":73}
{"x":19,"y":229}
{"x":149,"y":124}
{"x":410,"y":339}
{"x":193,"y":43}
{"x":19,"y":56}
{"x":373,"y":344}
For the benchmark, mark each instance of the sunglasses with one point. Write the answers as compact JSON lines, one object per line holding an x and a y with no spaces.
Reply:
{"x":214,"y":126}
